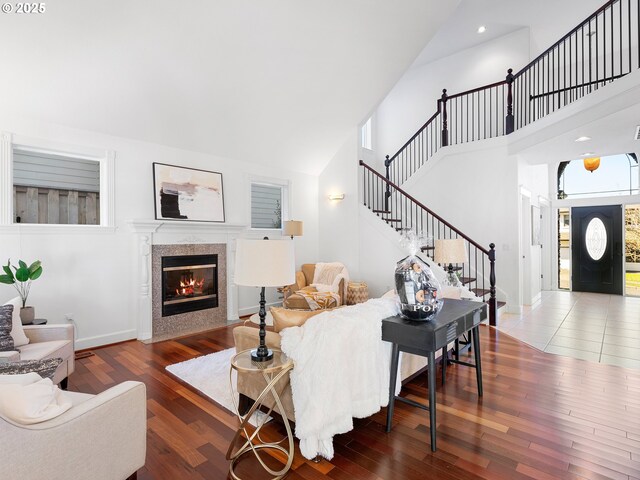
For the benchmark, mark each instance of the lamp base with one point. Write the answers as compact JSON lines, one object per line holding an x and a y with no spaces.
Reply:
{"x":259,"y":355}
{"x":451,"y":278}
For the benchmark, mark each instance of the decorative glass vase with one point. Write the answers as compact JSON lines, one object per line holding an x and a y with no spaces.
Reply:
{"x":418,"y":288}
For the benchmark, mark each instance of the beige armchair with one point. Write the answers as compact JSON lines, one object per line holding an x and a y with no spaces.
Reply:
{"x":304,"y":279}
{"x":102,"y":437}
{"x":48,"y":341}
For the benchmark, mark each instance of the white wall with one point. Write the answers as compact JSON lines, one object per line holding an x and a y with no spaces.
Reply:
{"x":90,"y":275}
{"x":474,"y":187}
{"x":338,"y":240}
{"x":534,"y":184}
{"x":413,"y":99}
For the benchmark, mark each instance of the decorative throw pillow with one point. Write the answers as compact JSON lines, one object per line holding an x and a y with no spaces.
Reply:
{"x":17,"y":331}
{"x":20,"y":379}
{"x":33,"y":403}
{"x":6,"y":322}
{"x":285,"y":318}
{"x":45,"y":368}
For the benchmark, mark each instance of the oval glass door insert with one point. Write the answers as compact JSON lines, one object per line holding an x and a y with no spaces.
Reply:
{"x":596,"y":238}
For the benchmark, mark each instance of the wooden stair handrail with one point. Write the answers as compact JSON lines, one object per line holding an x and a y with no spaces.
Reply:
{"x":426,"y":124}
{"x":508,"y":82}
{"x":573,"y":30}
{"x":421,"y":205}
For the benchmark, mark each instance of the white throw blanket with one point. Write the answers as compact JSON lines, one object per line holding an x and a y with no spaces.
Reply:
{"x":341,"y":371}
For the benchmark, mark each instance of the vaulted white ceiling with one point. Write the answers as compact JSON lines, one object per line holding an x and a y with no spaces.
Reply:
{"x":279,"y":82}
{"x":547,"y":20}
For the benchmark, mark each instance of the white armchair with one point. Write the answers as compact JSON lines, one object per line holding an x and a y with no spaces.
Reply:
{"x":51,"y":341}
{"x":102,"y":437}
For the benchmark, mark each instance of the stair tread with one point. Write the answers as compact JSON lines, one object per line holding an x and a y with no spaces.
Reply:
{"x":427,"y":248}
{"x":466,"y":280}
{"x":381,"y":211}
{"x":392,"y":219}
{"x":479,"y":292}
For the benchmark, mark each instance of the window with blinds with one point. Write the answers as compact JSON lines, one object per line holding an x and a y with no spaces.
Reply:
{"x":266,"y":205}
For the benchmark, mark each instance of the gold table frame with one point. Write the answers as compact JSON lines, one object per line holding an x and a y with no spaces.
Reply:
{"x":272,"y":371}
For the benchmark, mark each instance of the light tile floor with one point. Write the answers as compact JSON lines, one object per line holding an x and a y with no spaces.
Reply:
{"x":589,"y":326}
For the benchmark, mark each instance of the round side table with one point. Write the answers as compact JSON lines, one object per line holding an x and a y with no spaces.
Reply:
{"x":272,"y":371}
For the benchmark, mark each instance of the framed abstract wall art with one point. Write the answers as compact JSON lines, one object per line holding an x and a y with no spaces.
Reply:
{"x":188,"y":194}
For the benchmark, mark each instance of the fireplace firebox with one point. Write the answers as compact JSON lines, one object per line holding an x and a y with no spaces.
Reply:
{"x":189,"y":283}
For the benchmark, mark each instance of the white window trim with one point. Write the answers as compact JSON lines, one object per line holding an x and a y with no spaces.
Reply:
{"x":106,"y":158}
{"x":275,"y":182}
{"x":370,"y":136}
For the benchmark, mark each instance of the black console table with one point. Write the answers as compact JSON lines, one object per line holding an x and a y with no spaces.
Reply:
{"x":426,"y":338}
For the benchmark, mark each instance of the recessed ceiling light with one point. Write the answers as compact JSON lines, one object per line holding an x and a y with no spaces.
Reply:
{"x":582,"y":139}
{"x":482,"y":29}
{"x":587,"y":154}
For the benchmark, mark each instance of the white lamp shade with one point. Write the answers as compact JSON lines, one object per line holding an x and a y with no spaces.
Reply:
{"x":265,"y":263}
{"x":292,"y":228}
{"x":450,"y":251}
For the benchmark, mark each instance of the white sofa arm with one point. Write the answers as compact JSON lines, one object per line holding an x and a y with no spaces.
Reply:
{"x":103,"y":438}
{"x":47,"y":333}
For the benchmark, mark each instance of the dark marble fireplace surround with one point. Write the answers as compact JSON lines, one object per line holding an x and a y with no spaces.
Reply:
{"x":190,"y":322}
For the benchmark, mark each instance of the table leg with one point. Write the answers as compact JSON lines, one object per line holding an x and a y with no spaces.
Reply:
{"x":444,"y":363}
{"x":393,"y":376}
{"x":432,"y":398}
{"x":475,"y":333}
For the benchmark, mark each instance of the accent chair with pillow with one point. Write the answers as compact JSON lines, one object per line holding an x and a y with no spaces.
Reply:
{"x":50,"y":434}
{"x":306,"y":283}
{"x":40,"y":342}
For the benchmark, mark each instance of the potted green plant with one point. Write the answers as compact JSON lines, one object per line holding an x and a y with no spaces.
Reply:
{"x":21,"y":278}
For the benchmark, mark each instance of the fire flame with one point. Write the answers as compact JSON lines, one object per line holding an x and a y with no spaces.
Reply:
{"x":189,"y":287}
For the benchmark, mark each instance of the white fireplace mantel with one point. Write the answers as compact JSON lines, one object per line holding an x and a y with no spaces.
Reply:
{"x":168,"y":232}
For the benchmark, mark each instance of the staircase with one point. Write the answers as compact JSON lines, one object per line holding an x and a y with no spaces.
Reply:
{"x":404,"y":213}
{"x":600,"y":50}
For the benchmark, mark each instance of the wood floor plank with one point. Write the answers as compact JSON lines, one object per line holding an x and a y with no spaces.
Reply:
{"x":542,"y":417}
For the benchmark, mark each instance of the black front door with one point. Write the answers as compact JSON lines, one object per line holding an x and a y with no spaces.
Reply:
{"x":596,"y":246}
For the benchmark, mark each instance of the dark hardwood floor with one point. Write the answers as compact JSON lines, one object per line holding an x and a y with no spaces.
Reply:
{"x":542,"y":416}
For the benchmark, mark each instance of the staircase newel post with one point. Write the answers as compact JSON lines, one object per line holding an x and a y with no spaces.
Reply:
{"x":493,"y":305}
{"x":387,"y":193}
{"x":509,"y":120}
{"x":445,"y":129}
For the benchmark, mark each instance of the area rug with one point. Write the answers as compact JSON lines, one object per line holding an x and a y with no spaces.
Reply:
{"x":209,"y":374}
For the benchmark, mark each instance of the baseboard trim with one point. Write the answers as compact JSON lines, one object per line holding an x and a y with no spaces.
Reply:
{"x":109,"y":338}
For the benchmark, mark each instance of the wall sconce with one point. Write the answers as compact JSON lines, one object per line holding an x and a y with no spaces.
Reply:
{"x":336,"y":196}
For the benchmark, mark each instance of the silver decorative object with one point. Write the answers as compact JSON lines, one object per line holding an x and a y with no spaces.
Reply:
{"x":418,"y":289}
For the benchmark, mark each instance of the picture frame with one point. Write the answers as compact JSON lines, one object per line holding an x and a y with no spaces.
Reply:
{"x":536,"y":238}
{"x":187,"y":194}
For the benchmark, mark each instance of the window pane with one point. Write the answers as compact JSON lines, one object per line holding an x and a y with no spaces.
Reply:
{"x":596,"y":238}
{"x":365,"y":141}
{"x":55,"y":189}
{"x":266,"y":206}
{"x":632,"y":249}
{"x":615,"y":175}
{"x":564,"y":249}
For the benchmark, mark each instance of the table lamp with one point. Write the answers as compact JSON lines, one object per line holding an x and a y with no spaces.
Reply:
{"x":264,"y":263}
{"x":450,"y":251}
{"x":293,"y":228}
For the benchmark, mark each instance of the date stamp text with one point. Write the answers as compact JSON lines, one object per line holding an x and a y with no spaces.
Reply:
{"x":23,"y":8}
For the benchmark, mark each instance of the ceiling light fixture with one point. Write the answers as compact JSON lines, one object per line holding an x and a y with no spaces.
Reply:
{"x":582,"y":139}
{"x":587,"y":154}
{"x":482,"y":29}
{"x":591,"y":164}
